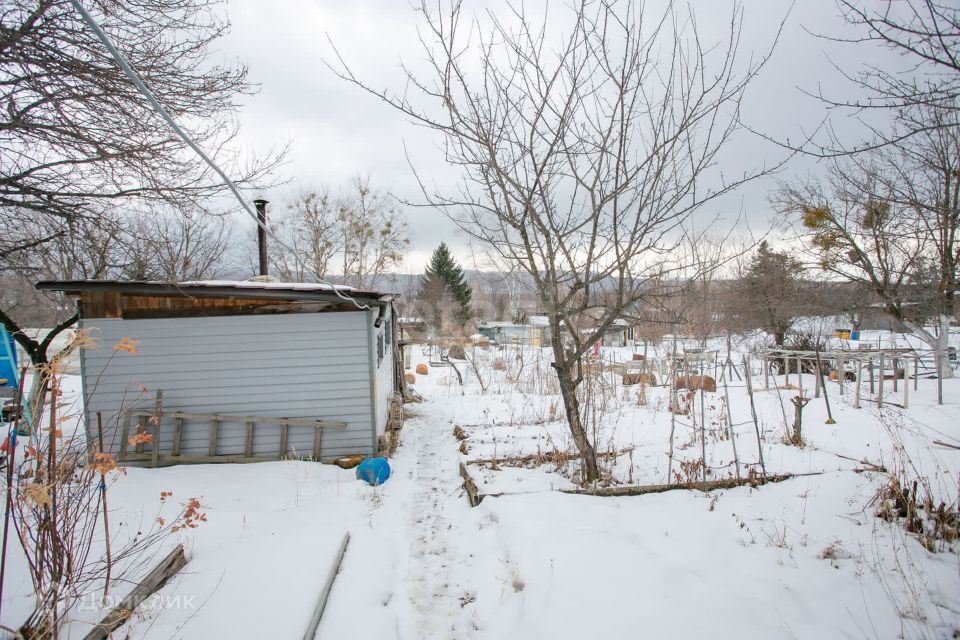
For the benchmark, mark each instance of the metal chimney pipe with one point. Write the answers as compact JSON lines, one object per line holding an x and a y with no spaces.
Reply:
{"x":261,"y":206}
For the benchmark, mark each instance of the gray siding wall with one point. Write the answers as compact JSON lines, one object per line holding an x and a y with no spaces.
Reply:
{"x":301,"y":365}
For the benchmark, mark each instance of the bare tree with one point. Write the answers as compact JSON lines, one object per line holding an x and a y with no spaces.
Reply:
{"x":76,"y":137}
{"x":310,"y":227}
{"x":888,"y":219}
{"x":359,"y":235}
{"x":375,"y":231}
{"x":175,"y":247}
{"x":582,"y":153}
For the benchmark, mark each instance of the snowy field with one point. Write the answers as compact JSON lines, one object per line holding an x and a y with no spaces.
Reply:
{"x":802,"y":558}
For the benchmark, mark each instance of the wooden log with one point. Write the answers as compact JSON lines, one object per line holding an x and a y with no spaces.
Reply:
{"x":709,"y":485}
{"x":177,"y":435}
{"x":473,"y":496}
{"x":314,"y":622}
{"x":154,"y":581}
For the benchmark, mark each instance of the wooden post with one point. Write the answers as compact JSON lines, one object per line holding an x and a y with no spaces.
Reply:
{"x":880,"y":381}
{"x":282,"y":453}
{"x":800,"y":374}
{"x":786,"y":366}
{"x":936,"y":358}
{"x":906,"y":382}
{"x":856,"y":389}
{"x":916,"y":370}
{"x":730,"y":432}
{"x":895,"y":376}
{"x":212,"y":445}
{"x":873,"y":386}
{"x":155,"y":444}
{"x":766,"y":372}
{"x":753,"y":413}
{"x":818,"y":379}
{"x":799,"y":402}
{"x":317,"y":435}
{"x":248,"y":439}
{"x":177,"y":435}
{"x":841,"y":372}
{"x":141,"y":428}
{"x":125,"y":434}
{"x":826,"y":395}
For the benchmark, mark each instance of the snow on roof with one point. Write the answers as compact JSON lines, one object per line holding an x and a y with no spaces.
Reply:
{"x":252,"y":284}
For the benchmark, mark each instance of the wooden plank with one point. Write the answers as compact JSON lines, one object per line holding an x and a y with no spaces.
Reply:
{"x":294,"y":422}
{"x":214,"y":427}
{"x":317,"y":435}
{"x":155,"y":419}
{"x":248,"y":441}
{"x":141,"y":428}
{"x":282,"y":451}
{"x":314,"y":622}
{"x":154,"y":581}
{"x":125,"y":434}
{"x":177,"y":435}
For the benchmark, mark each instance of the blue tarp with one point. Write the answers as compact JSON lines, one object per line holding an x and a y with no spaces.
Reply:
{"x":373,"y":471}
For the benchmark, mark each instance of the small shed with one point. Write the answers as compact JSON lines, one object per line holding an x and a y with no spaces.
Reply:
{"x":227,"y":371}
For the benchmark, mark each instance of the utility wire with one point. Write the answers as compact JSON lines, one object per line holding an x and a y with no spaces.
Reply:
{"x":151,"y":98}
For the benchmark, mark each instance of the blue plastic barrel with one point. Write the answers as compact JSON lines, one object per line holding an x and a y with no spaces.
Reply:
{"x":373,"y":471}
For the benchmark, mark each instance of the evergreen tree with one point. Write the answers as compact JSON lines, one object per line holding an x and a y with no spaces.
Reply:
{"x":772,"y":290}
{"x":443,"y":286}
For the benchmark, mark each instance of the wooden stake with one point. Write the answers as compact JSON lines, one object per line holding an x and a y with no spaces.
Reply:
{"x":155,"y":444}
{"x":880,"y":381}
{"x":106,"y":518}
{"x":826,"y":398}
{"x":753,"y":412}
{"x":906,"y":382}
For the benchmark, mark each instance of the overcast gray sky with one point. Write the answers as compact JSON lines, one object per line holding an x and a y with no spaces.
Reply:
{"x":336,"y":130}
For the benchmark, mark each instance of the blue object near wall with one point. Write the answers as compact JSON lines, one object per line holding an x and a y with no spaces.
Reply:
{"x":373,"y":471}
{"x":8,"y":360}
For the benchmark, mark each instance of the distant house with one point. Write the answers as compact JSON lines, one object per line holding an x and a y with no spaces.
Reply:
{"x":534,"y":332}
{"x":248,"y":370}
{"x":620,"y":333}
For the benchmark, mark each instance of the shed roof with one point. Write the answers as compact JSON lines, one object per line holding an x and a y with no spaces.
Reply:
{"x":219,"y":288}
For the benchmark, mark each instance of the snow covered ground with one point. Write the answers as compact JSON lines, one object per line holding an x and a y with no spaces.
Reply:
{"x":796,"y":559}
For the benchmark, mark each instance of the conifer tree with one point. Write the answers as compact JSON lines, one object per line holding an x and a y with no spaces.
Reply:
{"x":443,"y":286}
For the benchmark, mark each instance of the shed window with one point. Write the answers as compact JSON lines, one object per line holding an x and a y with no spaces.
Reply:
{"x":389,"y":332}
{"x":379,"y":349}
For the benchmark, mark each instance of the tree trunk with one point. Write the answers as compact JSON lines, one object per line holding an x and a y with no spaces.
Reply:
{"x":939,"y":343}
{"x":568,"y":392}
